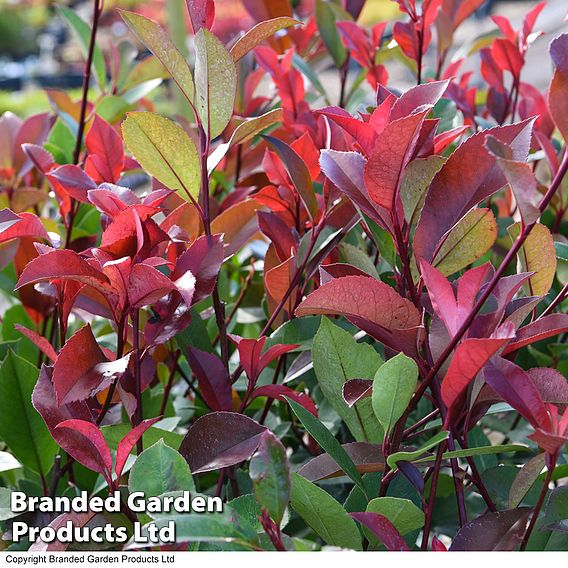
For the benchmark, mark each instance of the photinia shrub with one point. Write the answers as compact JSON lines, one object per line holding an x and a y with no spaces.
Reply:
{"x":340,"y":309}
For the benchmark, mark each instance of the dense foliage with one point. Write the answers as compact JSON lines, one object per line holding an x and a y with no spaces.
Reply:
{"x":344,"y":319}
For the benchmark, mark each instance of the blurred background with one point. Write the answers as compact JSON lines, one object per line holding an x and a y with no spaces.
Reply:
{"x":39,"y":51}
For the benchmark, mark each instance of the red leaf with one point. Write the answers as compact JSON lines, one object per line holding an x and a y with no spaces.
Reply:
{"x":345,"y":171}
{"x":43,"y":400}
{"x":64,"y":264}
{"x":392,"y":152}
{"x":371,"y":305}
{"x":8,"y":219}
{"x":92,"y":452}
{"x":127,"y":443}
{"x":38,"y":340}
{"x":203,"y":259}
{"x":82,"y":370}
{"x":105,"y":161}
{"x":220,"y":439}
{"x":443,"y":140}
{"x":507,"y":56}
{"x":281,"y":392}
{"x":545,"y":327}
{"x":214,"y":382}
{"x":201,"y":14}
{"x":442,"y":297}
{"x":426,"y":94}
{"x":469,"y":358}
{"x":516,"y":388}
{"x":502,"y":530}
{"x":28,"y":225}
{"x":557,"y":100}
{"x":362,"y":132}
{"x":356,"y":389}
{"x":72,"y":180}
{"x":468,"y":176}
{"x":383,"y":529}
{"x":147,"y":285}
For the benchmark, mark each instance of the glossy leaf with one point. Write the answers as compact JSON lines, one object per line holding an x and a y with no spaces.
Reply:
{"x":502,"y":530}
{"x":393,"y":387}
{"x":220,"y":439}
{"x":271,"y":478}
{"x":402,"y":513}
{"x":160,"y":469}
{"x":21,"y":427}
{"x":366,"y":457}
{"x":324,"y":514}
{"x":337,"y":357}
{"x":326,"y":440}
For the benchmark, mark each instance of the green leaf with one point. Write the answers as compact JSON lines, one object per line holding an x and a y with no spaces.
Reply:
{"x":161,"y":45}
{"x":393,"y":387}
{"x":402,"y":513}
{"x":160,"y":469}
{"x":21,"y":427}
{"x":227,"y":526}
{"x":215,"y":82}
{"x":483,"y":451}
{"x":525,"y":479}
{"x":83,"y":32}
{"x":325,"y":20}
{"x":561,"y":251}
{"x":556,"y":512}
{"x":325,"y":439}
{"x":468,"y":241}
{"x":164,"y":150}
{"x":411,"y":456}
{"x":324,"y":514}
{"x":337,"y":358}
{"x":270,"y":474}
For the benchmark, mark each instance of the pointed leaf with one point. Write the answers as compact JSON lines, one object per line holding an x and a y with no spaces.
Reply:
{"x":325,"y":439}
{"x":215,"y":82}
{"x":126,"y":445}
{"x":271,"y":477}
{"x":92,"y":451}
{"x":160,"y":44}
{"x":393,"y":387}
{"x":258,"y":34}
{"x":160,"y":469}
{"x":324,"y":514}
